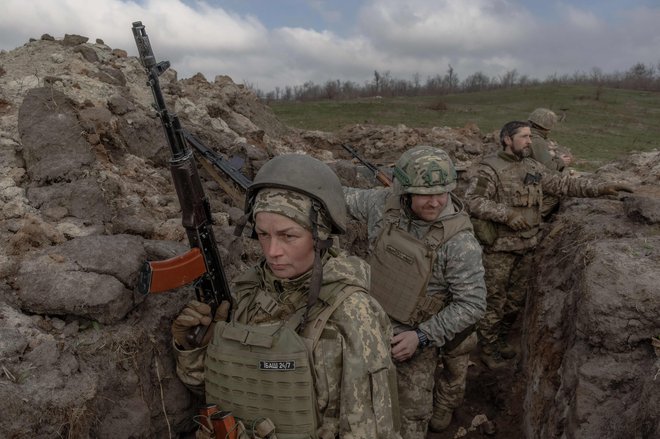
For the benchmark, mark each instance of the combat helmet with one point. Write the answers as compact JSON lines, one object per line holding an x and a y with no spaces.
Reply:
{"x":308,"y":176}
{"x":424,"y":170}
{"x":543,"y":118}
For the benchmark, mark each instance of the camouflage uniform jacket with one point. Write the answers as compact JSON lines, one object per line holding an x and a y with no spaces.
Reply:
{"x":354,"y":374}
{"x":486,"y":197}
{"x":540,"y":151}
{"x":458,"y":274}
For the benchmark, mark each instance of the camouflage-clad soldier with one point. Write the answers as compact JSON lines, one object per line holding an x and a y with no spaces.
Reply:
{"x":427,"y":273}
{"x":505,"y":199}
{"x":306,"y":347}
{"x":542,"y":121}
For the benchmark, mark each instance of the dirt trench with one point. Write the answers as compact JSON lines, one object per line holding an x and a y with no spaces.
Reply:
{"x":86,"y":196}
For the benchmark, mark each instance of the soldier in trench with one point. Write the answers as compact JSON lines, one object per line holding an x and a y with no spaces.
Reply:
{"x":542,"y":121}
{"x":428,"y":276}
{"x":306,"y":346}
{"x":505,"y":200}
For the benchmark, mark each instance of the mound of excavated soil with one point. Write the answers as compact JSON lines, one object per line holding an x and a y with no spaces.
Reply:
{"x":86,"y":196}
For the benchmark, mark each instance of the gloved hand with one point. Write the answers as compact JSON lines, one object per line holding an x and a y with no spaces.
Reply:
{"x":614,"y":188}
{"x":516,"y":221}
{"x":195,"y":314}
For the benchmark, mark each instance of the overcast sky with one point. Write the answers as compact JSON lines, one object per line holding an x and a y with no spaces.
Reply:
{"x":269,"y":43}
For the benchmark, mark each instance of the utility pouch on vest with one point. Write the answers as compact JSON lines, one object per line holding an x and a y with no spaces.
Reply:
{"x":260,"y":429}
{"x":484,"y":230}
{"x":263,"y":371}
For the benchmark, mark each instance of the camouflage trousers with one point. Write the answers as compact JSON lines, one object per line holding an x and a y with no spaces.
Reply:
{"x":450,"y":385}
{"x":507,"y":277}
{"x":415,"y":379}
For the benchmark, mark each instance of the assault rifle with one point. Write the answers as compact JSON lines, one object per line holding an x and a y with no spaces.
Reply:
{"x":226,"y":167}
{"x":380,"y":175}
{"x":200,"y":265}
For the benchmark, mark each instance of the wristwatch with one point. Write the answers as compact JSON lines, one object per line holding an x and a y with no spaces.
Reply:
{"x":423,"y":339}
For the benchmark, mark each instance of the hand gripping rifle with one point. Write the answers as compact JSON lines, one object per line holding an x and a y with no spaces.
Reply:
{"x":201,"y":264}
{"x":380,"y":175}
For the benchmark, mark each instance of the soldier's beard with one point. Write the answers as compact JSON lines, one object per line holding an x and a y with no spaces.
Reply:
{"x":521,"y":154}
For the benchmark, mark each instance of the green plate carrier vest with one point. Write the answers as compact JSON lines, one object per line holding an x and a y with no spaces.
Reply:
{"x":402,"y":265}
{"x":266,"y":371}
{"x":523,"y":198}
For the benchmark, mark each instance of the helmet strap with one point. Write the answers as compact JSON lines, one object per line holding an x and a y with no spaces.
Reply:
{"x":406,"y":203}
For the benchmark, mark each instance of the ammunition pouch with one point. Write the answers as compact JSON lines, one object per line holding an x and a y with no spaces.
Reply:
{"x":484,"y":230}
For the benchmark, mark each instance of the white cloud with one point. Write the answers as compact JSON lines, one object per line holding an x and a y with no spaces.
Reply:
{"x":581,"y":19}
{"x":444,"y":25}
{"x":403,"y":38}
{"x":171,"y":22}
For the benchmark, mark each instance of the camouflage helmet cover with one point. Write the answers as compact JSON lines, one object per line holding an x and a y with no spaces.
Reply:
{"x":306,"y":175}
{"x":544,"y":118}
{"x":424,"y":170}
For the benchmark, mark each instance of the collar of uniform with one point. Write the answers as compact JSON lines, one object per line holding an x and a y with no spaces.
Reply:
{"x":508,"y":157}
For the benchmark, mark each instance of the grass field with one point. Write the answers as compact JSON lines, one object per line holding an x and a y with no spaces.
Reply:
{"x":599,"y":126}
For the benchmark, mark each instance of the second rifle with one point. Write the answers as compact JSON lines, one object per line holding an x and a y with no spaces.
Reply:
{"x":384,"y":179}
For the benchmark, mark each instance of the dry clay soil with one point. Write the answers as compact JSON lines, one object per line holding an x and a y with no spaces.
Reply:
{"x":87,"y":197}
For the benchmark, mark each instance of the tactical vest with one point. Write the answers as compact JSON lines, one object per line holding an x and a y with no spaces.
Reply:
{"x":520,"y":189}
{"x":402,"y":265}
{"x":266,"y":370}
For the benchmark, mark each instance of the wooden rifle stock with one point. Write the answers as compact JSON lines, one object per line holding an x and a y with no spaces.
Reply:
{"x":201,"y":265}
{"x":383,"y":178}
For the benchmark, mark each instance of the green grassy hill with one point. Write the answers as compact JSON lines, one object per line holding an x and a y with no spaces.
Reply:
{"x":599,"y":126}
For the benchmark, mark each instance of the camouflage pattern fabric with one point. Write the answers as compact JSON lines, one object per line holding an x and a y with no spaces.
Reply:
{"x":290,"y":204}
{"x":457,"y":274}
{"x":450,"y":386}
{"x":540,"y":151}
{"x":424,"y":170}
{"x":354,"y":385}
{"x":415,"y":379}
{"x":483,"y":196}
{"x":457,"y":277}
{"x":544,"y":118}
{"x":506,"y":271}
{"x":506,"y":282}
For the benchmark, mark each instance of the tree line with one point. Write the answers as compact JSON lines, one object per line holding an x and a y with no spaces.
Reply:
{"x":639,"y":77}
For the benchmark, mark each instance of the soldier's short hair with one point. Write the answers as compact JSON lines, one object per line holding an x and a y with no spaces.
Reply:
{"x":510,"y":129}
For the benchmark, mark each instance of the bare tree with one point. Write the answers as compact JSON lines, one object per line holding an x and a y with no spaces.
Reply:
{"x":376,"y":82}
{"x":476,"y":82}
{"x":640,"y":76}
{"x":508,"y":79}
{"x":450,"y":81}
